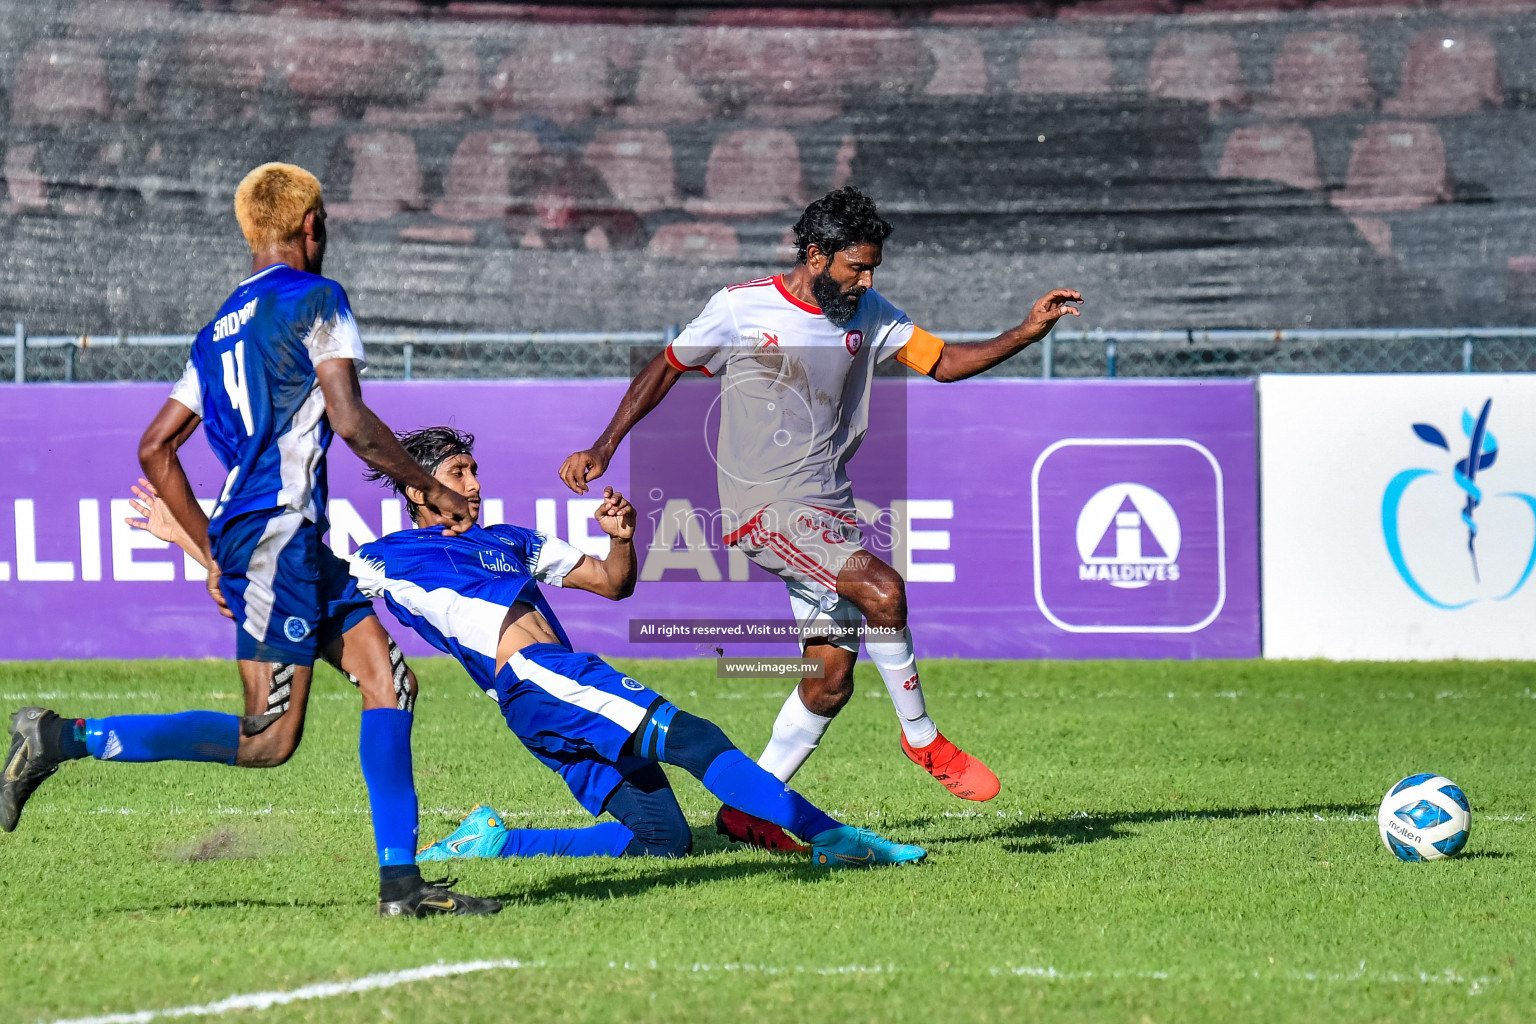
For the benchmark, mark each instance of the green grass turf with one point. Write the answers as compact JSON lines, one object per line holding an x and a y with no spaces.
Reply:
{"x":1174,"y":842}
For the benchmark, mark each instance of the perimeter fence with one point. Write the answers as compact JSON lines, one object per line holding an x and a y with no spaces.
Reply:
{"x":426,"y":355}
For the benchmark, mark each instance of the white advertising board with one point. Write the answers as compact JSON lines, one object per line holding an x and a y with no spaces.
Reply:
{"x":1398,"y":516}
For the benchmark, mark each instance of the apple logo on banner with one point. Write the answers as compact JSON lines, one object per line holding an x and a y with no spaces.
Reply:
{"x":1452,"y":541}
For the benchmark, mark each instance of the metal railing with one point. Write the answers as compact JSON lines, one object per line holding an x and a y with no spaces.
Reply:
{"x":409,"y":355}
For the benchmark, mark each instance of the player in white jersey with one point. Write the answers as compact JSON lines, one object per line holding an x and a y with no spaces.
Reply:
{"x":796,"y":356}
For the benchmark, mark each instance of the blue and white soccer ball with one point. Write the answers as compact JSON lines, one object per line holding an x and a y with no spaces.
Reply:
{"x":1425,"y":817}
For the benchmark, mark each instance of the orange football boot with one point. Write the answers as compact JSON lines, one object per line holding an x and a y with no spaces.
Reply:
{"x":959,"y":772}
{"x":741,"y":827}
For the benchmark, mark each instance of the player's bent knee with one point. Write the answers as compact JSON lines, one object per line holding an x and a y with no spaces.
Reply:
{"x":679,"y":842}
{"x":828,"y":694}
{"x":668,"y":836}
{"x":688,"y":741}
{"x":270,"y":748}
{"x":889,"y":595}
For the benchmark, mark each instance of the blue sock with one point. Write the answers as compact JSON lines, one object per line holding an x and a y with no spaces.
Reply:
{"x":738,"y":781}
{"x":605,"y":839}
{"x":185,"y":736}
{"x":384,"y":750}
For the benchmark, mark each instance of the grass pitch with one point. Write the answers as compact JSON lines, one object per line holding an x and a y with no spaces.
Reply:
{"x":1174,"y":842}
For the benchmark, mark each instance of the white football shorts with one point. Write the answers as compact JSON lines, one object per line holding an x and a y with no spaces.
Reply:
{"x":806,"y":547}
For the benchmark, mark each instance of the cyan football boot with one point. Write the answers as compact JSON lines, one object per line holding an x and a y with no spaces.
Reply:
{"x":480,"y":834}
{"x":850,"y":847}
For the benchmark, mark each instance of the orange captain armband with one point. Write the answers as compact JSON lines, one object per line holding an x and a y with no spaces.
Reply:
{"x":921,"y":352}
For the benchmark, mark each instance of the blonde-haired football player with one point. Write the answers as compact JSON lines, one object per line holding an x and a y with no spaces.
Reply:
{"x":272,"y":201}
{"x":796,"y":355}
{"x":270,"y":379}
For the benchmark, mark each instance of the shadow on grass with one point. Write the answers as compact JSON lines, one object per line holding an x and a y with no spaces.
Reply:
{"x":618,"y":882}
{"x":1046,"y":835}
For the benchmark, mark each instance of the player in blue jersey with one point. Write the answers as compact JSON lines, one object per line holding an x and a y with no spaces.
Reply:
{"x":475,"y":595}
{"x":271,"y":378}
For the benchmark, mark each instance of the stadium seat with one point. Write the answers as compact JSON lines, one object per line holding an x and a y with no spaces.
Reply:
{"x":26,"y":189}
{"x":1197,"y":66}
{"x":1520,"y":284}
{"x":984,"y":15}
{"x":1070,"y":64}
{"x":385,"y":178}
{"x":709,"y":242}
{"x":1317,"y":74}
{"x":1448,"y":71}
{"x":796,"y":75}
{"x":557,"y":72}
{"x":777,"y":76}
{"x":752,"y":172}
{"x":1271,"y":152}
{"x":60,"y":81}
{"x":457,"y":93}
{"x":350,"y":69}
{"x":1395,"y":165}
{"x":959,"y":66}
{"x":479,"y":178}
{"x":227,"y":63}
{"x":663,"y":93}
{"x":561,"y":201}
{"x":1116,"y":9}
{"x":820,"y":19}
{"x":637,"y":165}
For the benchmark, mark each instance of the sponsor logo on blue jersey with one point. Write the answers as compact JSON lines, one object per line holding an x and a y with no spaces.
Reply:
{"x":495,"y":561}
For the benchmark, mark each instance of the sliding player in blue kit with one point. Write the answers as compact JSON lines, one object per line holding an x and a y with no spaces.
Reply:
{"x":476,"y":596}
{"x":270,"y":378}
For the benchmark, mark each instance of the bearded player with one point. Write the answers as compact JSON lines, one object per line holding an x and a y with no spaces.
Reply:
{"x":796,"y":357}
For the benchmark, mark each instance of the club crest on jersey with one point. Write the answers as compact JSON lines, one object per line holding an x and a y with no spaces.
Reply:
{"x":633,"y":684}
{"x":295,"y":628}
{"x":855,"y":341}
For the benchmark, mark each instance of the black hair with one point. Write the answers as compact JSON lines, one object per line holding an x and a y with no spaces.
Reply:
{"x":840,"y":219}
{"x":430,"y":447}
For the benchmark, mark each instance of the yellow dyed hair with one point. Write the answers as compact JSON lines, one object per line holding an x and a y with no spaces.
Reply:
{"x":271,"y":202}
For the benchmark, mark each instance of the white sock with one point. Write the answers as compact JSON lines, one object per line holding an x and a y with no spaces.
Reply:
{"x":898,"y":667}
{"x":796,"y":733}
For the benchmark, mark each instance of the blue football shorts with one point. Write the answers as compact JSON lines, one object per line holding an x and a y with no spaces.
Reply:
{"x":290,"y":594}
{"x":576,"y":714}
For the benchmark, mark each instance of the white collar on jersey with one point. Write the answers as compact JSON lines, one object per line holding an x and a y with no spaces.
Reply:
{"x":260,"y":273}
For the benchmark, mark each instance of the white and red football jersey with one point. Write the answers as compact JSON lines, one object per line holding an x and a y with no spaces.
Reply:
{"x":795,"y":389}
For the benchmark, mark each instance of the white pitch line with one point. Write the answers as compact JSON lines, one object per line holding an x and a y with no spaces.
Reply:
{"x":266,"y":1000}
{"x":389,"y":979}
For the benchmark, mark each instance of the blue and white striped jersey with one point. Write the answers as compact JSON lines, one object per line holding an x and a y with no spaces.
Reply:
{"x":251,"y":377}
{"x":455,"y":591}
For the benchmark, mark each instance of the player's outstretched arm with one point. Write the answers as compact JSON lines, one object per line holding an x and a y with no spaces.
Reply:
{"x":166,"y":479}
{"x":645,"y":392}
{"x":158,"y":457}
{"x":373,"y":442}
{"x":158,"y":522}
{"x":612,"y":577}
{"x":957,"y":362}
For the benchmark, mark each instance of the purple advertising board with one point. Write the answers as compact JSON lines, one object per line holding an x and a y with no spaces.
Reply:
{"x":1034,"y":519}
